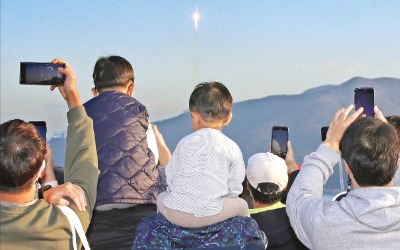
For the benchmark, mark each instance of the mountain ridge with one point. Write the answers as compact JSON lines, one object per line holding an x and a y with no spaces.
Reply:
{"x":303,"y":113}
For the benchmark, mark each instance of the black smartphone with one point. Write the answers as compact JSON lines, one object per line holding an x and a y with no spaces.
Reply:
{"x":41,"y":73}
{"x":279,"y":139}
{"x":41,"y":128}
{"x":324,"y":130}
{"x":364,"y":97}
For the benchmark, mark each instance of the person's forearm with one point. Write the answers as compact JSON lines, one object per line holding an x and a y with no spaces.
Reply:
{"x":315,"y":171}
{"x":292,"y":177}
{"x":81,"y":156}
{"x":305,"y":195}
{"x":164,"y":155}
{"x":74,"y":101}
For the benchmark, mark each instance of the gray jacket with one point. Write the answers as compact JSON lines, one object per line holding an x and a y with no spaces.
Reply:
{"x":367,"y":218}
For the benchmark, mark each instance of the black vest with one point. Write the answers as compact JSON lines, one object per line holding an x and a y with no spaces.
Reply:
{"x":128,"y":172}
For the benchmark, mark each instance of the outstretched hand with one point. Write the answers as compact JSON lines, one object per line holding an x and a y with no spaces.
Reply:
{"x":56,"y":195}
{"x":339,"y":125}
{"x":69,"y":90}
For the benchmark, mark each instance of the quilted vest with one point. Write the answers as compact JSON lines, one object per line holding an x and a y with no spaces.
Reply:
{"x":128,"y":172}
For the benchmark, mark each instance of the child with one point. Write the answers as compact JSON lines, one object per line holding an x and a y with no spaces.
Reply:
{"x":206,"y":170}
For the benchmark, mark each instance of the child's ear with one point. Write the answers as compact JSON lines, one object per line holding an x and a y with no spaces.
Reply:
{"x":228,"y":120}
{"x":94,"y":92}
{"x":194,"y":116}
{"x":131,"y":88}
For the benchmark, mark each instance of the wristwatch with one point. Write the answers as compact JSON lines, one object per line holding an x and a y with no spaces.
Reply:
{"x":42,"y":190}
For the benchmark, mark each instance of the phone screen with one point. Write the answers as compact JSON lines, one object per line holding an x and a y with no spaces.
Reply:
{"x":41,"y":73}
{"x":324,"y":130}
{"x":41,"y":128}
{"x":280,"y":137}
{"x":364,"y":97}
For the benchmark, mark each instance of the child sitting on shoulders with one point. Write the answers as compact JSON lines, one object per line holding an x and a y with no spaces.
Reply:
{"x":206,"y":170}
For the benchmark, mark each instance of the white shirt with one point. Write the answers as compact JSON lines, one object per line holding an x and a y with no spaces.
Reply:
{"x":205,"y":167}
{"x":152,"y":142}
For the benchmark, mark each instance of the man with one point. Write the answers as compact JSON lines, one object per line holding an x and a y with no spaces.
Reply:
{"x":26,"y":222}
{"x":369,"y":216}
{"x":131,"y":154}
{"x":268,"y":182}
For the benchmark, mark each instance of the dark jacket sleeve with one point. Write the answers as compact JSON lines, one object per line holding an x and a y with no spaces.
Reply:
{"x":292,"y":177}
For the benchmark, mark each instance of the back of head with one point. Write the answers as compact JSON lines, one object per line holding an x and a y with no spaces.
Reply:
{"x":111,"y":72}
{"x":212,"y":100}
{"x":370,"y":148}
{"x":267,"y":176}
{"x":395,"y":121}
{"x":21,"y":155}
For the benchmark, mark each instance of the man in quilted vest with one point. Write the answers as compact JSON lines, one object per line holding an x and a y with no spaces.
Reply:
{"x":131,"y":152}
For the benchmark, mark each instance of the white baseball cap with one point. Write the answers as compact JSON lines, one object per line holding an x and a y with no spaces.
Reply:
{"x":267,"y":167}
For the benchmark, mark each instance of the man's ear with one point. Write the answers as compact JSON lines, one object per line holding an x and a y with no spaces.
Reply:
{"x":94,"y":91}
{"x":130,"y":90}
{"x":228,"y":120}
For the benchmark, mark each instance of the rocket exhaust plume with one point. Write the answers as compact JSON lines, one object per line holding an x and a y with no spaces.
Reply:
{"x":196,"y":17}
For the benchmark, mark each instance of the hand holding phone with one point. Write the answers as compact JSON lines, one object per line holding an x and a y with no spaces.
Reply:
{"x":279,"y":139}
{"x":41,"y":73}
{"x":364,"y":97}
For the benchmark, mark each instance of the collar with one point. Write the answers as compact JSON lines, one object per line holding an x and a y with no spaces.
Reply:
{"x":7,"y":204}
{"x":277,"y":205}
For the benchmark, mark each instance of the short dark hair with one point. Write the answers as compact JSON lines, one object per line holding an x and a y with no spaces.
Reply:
{"x":395,"y":121}
{"x":212,"y":100}
{"x":21,"y":155}
{"x":268,"y":194}
{"x":112,"y":71}
{"x":370,"y":148}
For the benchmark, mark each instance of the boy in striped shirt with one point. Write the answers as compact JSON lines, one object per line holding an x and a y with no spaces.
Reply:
{"x":206,"y":170}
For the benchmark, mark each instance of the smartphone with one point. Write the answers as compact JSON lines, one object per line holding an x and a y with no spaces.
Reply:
{"x":41,"y":73}
{"x":279,"y":139}
{"x":364,"y":97}
{"x":41,"y":128}
{"x":324,"y":130}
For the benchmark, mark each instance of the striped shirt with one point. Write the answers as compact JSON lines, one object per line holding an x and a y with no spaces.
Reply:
{"x":205,"y":167}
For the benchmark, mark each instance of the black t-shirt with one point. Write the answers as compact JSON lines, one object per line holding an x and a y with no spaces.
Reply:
{"x":276,"y":226}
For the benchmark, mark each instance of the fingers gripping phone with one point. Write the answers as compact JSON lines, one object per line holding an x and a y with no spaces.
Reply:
{"x":364,"y":97}
{"x":41,"y":73}
{"x":41,"y":128}
{"x":279,"y":139}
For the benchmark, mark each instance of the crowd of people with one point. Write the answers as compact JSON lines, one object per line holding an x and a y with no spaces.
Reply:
{"x":123,"y":189}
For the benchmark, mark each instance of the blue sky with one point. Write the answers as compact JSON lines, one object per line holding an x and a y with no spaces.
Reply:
{"x":256,"y":48}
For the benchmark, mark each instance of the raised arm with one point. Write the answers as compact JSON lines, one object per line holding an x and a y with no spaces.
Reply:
{"x":56,"y":194}
{"x":81,"y":157}
{"x":304,"y":201}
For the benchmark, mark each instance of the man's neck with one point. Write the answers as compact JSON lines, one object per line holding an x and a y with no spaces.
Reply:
{"x":260,"y":205}
{"x":18,"y":198}
{"x":118,"y":89}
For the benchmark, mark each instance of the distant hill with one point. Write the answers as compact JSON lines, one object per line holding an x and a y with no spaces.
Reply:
{"x":304,"y":114}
